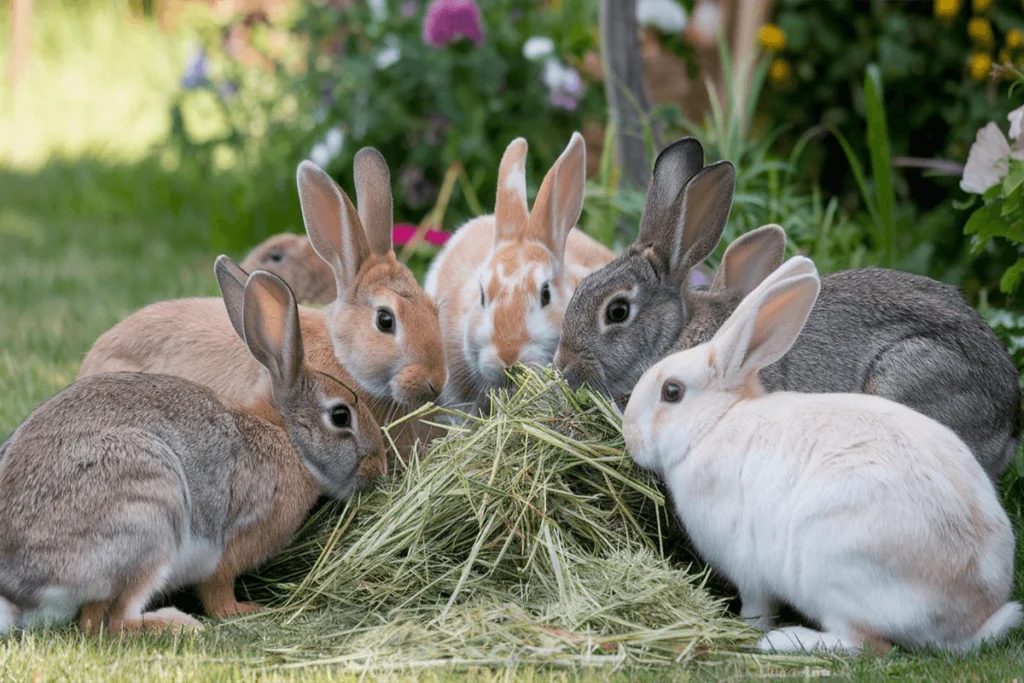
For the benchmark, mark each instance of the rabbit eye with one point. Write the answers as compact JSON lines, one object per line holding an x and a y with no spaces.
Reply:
{"x":617,"y":311}
{"x":275,"y":256}
{"x":545,"y":295}
{"x":341,"y":417}
{"x":671,"y":392}
{"x":385,"y":321}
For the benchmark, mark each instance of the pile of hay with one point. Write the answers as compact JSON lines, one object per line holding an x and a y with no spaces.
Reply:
{"x":527,"y":537}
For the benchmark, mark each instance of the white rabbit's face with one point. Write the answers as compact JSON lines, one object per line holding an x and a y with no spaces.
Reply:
{"x":522,"y":292}
{"x":673,"y":405}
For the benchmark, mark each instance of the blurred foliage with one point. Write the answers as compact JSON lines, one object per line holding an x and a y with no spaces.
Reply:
{"x":330,"y":81}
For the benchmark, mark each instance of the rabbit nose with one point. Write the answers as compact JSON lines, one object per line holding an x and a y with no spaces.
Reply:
{"x":432,"y":391}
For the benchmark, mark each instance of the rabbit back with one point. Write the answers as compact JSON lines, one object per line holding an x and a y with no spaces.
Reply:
{"x":853,"y":509}
{"x":119,"y":475}
{"x":915,"y":341}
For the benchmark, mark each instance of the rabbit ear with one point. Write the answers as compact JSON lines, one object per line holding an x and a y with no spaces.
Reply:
{"x":271,"y":324}
{"x":332,"y":223}
{"x":750,"y":259}
{"x":767,"y":323}
{"x":559,"y":202}
{"x":373,"y":197}
{"x":511,"y":213}
{"x":673,"y":168}
{"x":232,"y":279}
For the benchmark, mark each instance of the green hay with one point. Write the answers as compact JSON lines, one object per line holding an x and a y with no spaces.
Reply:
{"x":528,"y":537}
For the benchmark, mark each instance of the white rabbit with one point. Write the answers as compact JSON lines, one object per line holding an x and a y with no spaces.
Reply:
{"x":870,"y":519}
{"x":502,"y":282}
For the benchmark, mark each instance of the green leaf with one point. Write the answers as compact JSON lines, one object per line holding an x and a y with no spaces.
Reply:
{"x":1012,"y":277}
{"x":1014,"y":179}
{"x":877,"y":227}
{"x":881,"y":159}
{"x":985,"y":220}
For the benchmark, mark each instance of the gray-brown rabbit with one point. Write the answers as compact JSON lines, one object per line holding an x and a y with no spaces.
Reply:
{"x":904,"y":337}
{"x":292,"y":258}
{"x":125,"y":485}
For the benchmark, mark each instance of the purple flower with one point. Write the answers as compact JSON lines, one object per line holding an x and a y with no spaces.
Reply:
{"x":560,"y":100}
{"x":448,"y":21}
{"x":195,"y":72}
{"x":409,"y":9}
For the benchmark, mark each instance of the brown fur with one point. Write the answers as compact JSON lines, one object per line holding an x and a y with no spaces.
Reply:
{"x":291,"y":257}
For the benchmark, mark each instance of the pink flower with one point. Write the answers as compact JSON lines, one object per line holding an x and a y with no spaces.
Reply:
{"x":403,"y":234}
{"x":448,"y":21}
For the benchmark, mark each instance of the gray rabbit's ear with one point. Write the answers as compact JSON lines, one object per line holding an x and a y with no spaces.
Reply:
{"x":232,"y":279}
{"x":767,"y":322}
{"x":271,"y":324}
{"x":374,"y":200}
{"x":703,"y":212}
{"x":333,"y":224}
{"x":750,"y":259}
{"x":673,"y":168}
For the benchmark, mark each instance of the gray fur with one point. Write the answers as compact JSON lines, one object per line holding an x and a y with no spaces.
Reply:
{"x":107,"y":482}
{"x":904,"y":337}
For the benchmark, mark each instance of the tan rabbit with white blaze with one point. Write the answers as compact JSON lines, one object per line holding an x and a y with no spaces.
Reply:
{"x":502,"y":282}
{"x":127,"y":485}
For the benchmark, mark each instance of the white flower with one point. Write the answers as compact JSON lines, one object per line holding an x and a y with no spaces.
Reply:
{"x":987,"y":162}
{"x":1015,"y":117}
{"x":320,"y":155}
{"x":665,"y":15}
{"x":705,"y":23}
{"x":379,"y":9}
{"x":390,"y":53}
{"x":554,"y":74}
{"x":538,"y":47}
{"x":335,"y":140}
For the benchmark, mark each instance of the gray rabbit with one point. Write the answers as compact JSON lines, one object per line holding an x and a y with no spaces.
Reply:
{"x":126,"y":485}
{"x":904,"y":337}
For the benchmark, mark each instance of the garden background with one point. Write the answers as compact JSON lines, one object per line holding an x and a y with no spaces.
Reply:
{"x":140,"y":139}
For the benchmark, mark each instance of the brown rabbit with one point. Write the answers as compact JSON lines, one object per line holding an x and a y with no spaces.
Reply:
{"x":381,"y":334}
{"x":292,"y":258}
{"x":125,"y":485}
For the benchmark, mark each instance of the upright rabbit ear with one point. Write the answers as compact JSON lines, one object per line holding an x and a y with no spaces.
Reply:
{"x":271,"y":325}
{"x":511,"y":213}
{"x":673,"y":168}
{"x":231,"y":279}
{"x":559,"y":202}
{"x":767,"y":323}
{"x":373,"y":198}
{"x":332,"y":223}
{"x":750,"y":259}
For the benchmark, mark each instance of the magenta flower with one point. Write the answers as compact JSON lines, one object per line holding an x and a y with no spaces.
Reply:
{"x":403,"y":234}
{"x":448,"y":21}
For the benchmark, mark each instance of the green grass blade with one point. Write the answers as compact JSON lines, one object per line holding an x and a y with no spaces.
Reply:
{"x":881,"y":160}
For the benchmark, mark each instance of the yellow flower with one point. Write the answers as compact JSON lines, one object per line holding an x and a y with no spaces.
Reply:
{"x":980,"y":30}
{"x":1014,"y":38}
{"x":779,"y":70}
{"x":946,"y":8}
{"x":981,"y":5}
{"x":771,"y":37}
{"x":981,"y":65}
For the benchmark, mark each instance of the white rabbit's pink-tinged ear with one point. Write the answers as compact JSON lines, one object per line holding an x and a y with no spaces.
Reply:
{"x":559,"y":202}
{"x":332,"y":223}
{"x":511,"y":211}
{"x":750,"y":259}
{"x":767,"y":323}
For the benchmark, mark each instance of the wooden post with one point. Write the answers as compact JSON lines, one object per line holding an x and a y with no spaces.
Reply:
{"x":629,"y":104}
{"x":21,"y":40}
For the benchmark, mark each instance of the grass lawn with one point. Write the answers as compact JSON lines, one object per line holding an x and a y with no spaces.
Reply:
{"x":94,"y":226}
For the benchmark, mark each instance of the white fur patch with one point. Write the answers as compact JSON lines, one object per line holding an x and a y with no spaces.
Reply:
{"x":515,"y":182}
{"x":195,"y":561}
{"x":8,"y":616}
{"x":56,"y":606}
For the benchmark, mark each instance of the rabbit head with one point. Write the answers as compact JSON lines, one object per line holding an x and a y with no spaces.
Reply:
{"x":383,"y":326}
{"x":334,"y":434}
{"x":678,"y":400}
{"x":291,"y":258}
{"x":520,"y":291}
{"x":630,"y":314}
